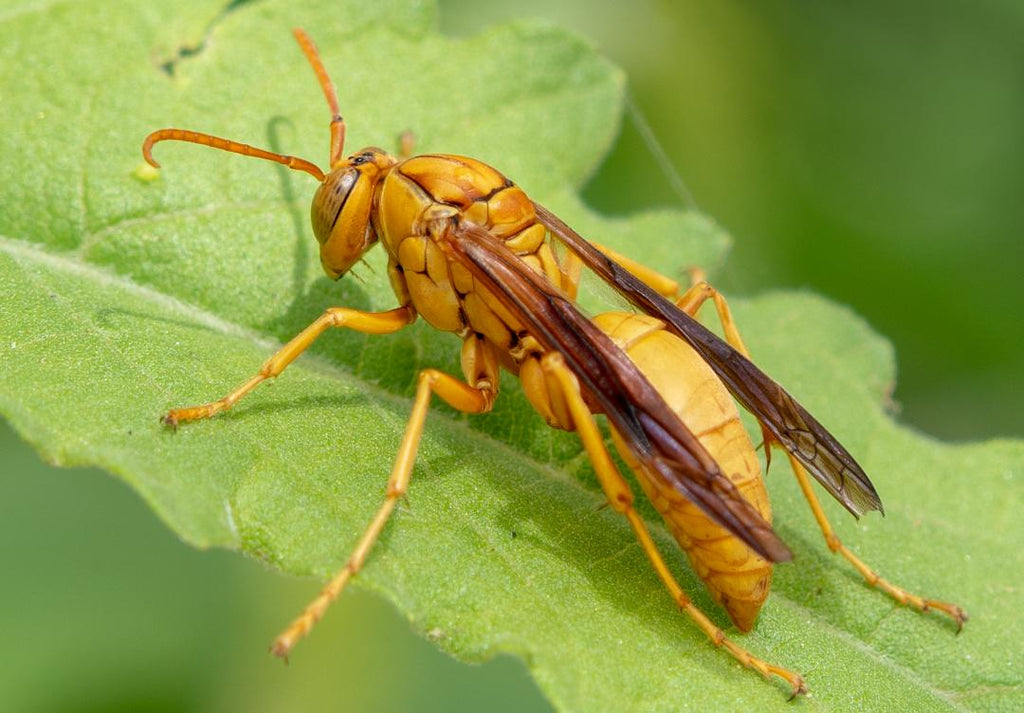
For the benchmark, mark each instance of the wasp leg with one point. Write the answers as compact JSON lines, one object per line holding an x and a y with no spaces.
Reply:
{"x":620,"y":497}
{"x":870,"y":576}
{"x":477,"y":397}
{"x":699,"y":293}
{"x":366,"y":322}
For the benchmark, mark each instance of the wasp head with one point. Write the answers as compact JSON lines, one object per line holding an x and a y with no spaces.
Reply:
{"x":342,"y":208}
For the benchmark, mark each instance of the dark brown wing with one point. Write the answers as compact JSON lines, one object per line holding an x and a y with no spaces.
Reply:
{"x":796,"y":429}
{"x":611,"y":382}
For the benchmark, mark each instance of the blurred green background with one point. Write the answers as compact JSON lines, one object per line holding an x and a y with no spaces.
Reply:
{"x":870,"y":151}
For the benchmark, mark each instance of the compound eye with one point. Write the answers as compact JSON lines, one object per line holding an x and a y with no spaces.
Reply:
{"x":329,"y":201}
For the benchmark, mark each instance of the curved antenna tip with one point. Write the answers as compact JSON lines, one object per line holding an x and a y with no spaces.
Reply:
{"x":147,"y":150}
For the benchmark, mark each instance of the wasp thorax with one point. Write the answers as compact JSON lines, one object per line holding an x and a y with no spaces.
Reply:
{"x":341,"y":219}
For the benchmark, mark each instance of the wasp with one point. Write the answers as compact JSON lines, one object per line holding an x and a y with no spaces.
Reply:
{"x":472,"y":254}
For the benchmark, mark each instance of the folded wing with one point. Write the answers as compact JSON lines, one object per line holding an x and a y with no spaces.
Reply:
{"x":789,"y":422}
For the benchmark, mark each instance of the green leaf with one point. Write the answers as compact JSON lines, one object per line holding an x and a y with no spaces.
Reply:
{"x":125,"y":294}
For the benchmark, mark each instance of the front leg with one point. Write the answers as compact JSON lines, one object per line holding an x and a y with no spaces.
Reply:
{"x":365,"y":322}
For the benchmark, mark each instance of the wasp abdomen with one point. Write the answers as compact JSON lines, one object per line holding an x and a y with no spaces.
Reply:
{"x":737,"y":577}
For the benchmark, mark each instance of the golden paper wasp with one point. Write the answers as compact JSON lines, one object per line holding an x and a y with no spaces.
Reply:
{"x":472,"y":254}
